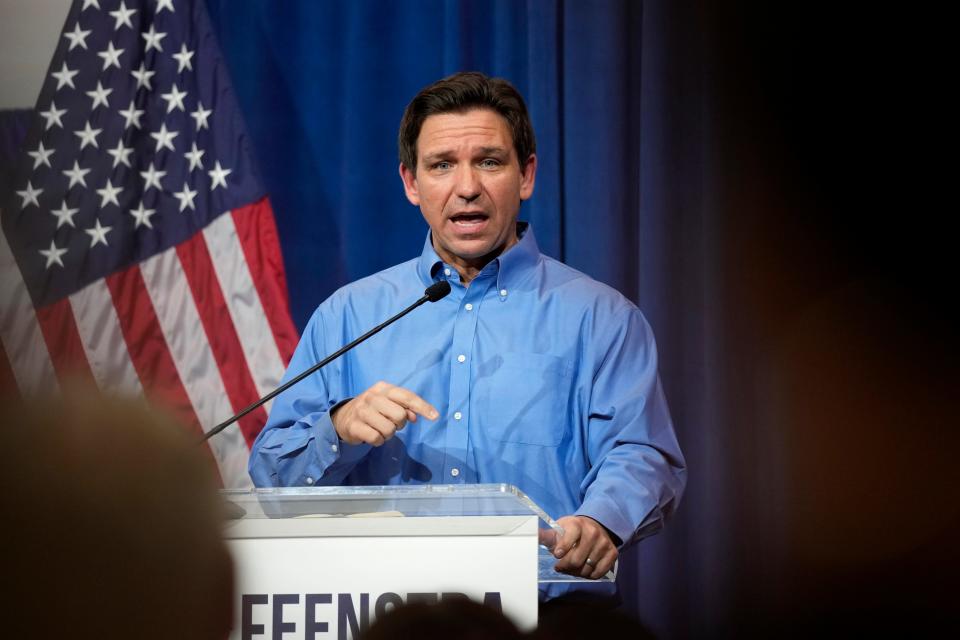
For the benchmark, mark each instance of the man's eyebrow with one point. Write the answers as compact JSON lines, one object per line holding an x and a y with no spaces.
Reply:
{"x":493,"y":151}
{"x":444,"y":154}
{"x":436,"y":155}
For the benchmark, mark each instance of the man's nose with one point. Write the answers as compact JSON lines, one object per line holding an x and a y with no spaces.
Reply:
{"x":468,"y":184}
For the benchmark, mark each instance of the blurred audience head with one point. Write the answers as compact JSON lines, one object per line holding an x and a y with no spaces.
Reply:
{"x":112,"y":524}
{"x":571,"y":621}
{"x":462,"y":619}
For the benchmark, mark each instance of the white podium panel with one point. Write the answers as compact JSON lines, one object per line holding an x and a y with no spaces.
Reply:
{"x":323,"y":563}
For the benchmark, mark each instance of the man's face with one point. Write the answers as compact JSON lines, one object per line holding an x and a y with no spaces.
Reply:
{"x":469,"y":184}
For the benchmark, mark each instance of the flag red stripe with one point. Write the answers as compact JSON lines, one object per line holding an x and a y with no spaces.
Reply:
{"x":257,"y":232}
{"x":60,"y":332}
{"x":221,"y":333}
{"x":148,"y":347}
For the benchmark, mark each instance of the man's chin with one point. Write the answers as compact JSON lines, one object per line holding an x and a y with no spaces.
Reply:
{"x":474,"y":250}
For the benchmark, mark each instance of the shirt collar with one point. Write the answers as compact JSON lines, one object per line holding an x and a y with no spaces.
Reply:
{"x":512,"y":265}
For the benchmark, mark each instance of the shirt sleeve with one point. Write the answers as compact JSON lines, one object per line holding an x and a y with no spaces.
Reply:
{"x":299,"y":445}
{"x":637,"y":473}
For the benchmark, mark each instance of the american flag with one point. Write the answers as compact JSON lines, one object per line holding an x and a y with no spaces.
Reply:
{"x":139,"y":250}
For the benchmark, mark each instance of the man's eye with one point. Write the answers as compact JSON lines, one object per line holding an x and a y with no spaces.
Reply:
{"x":443,"y":165}
{"x":489,"y":163}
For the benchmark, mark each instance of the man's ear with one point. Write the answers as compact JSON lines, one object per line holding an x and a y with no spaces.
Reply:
{"x":528,"y":175}
{"x":409,"y":178}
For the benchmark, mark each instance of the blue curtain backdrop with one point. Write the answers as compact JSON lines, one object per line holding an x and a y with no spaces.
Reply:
{"x":323,"y":85}
{"x":724,"y":165}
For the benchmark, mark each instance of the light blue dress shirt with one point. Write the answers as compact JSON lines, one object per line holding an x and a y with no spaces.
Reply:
{"x":543,"y":377}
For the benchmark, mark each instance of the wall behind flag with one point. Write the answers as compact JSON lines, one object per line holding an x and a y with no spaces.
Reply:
{"x":29,"y":30}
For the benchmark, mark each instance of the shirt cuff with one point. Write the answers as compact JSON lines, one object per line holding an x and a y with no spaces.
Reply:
{"x":615,"y":522}
{"x":332,"y":453}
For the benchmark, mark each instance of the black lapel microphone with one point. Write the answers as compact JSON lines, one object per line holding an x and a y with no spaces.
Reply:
{"x":434,"y":292}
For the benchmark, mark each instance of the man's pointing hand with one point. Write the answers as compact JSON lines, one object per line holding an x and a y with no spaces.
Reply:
{"x":378,"y":413}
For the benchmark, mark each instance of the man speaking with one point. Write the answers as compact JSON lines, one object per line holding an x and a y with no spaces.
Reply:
{"x":528,"y":373}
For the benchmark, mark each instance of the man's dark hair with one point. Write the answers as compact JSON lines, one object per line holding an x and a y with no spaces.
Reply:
{"x":459,"y":93}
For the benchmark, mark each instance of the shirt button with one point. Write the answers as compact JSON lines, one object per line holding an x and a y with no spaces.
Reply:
{"x":454,"y":472}
{"x":468,"y":307}
{"x":461,"y":358}
{"x":309,"y":480}
{"x":333,"y":447}
{"x":457,"y":415}
{"x":446,"y":272}
{"x":503,"y":293}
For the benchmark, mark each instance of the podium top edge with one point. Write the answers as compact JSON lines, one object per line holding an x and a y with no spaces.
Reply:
{"x":405,"y":500}
{"x":381,"y":490}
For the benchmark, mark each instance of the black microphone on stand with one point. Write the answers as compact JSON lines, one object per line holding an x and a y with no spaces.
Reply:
{"x":434,"y":292}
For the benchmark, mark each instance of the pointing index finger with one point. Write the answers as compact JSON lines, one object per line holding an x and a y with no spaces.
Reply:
{"x":411,"y":401}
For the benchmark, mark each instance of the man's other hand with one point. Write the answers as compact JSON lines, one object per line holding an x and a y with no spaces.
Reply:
{"x":585,"y":549}
{"x":378,"y":413}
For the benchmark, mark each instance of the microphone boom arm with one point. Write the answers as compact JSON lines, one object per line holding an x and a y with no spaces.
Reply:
{"x":433,"y":293}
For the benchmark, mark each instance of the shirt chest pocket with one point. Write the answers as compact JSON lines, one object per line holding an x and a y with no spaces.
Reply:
{"x":522,"y":398}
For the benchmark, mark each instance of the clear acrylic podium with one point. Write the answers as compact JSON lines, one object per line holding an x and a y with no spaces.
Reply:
{"x":324,"y":562}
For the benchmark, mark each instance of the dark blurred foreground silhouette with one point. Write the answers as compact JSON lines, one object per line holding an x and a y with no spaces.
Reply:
{"x":459,"y":618}
{"x":465,"y":619}
{"x":111,"y":525}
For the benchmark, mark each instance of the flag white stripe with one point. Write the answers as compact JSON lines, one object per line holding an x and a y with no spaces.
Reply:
{"x":183,"y":331}
{"x":20,"y":331}
{"x":102,"y":340}
{"x":244,"y":304}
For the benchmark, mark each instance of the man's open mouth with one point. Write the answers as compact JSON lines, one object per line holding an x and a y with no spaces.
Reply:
{"x":468,"y":219}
